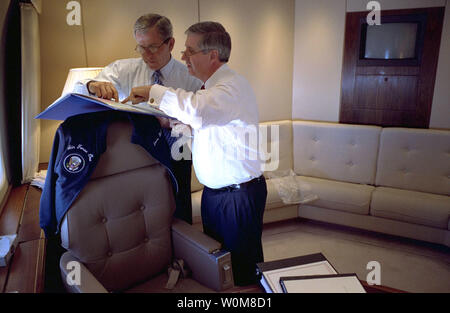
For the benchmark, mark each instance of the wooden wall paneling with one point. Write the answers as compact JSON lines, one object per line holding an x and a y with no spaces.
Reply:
{"x":349,"y":68}
{"x":366,"y":92}
{"x":429,"y":65}
{"x":390,"y":95}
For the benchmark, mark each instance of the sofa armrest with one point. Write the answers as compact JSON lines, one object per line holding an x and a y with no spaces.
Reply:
{"x":87,"y":282}
{"x":210,"y":265}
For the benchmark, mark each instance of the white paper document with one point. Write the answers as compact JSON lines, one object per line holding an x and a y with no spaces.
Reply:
{"x":345,"y":283}
{"x":272,"y":278}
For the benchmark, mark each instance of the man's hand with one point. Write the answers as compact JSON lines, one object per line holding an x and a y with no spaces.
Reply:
{"x":138,"y":94}
{"x":104,"y":90}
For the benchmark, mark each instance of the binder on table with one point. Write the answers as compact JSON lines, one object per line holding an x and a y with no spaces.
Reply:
{"x":338,"y":283}
{"x":307,"y":265}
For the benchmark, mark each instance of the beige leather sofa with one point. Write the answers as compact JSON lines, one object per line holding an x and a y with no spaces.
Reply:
{"x":389,"y":180}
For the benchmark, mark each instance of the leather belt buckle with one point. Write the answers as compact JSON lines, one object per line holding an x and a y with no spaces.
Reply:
{"x":235,"y":187}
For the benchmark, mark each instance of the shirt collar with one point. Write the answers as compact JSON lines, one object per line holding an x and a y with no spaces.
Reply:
{"x":166,"y":69}
{"x":215,"y":77}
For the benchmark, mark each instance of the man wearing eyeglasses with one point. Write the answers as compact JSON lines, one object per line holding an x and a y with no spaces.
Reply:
{"x":154,"y":37}
{"x":234,"y":196}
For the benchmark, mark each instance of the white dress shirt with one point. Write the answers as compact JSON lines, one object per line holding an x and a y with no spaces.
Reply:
{"x":126,"y":74}
{"x":224,"y":118}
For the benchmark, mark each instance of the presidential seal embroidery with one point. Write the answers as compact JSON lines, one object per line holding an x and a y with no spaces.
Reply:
{"x":74,"y":163}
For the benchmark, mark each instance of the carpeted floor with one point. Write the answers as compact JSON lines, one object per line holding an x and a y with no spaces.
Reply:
{"x":405,"y":264}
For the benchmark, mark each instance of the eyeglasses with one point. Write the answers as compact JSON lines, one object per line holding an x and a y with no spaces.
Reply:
{"x":189,"y":54}
{"x":151,"y":48}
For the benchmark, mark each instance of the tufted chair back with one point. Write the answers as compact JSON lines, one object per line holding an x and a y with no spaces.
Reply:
{"x":120,"y":225}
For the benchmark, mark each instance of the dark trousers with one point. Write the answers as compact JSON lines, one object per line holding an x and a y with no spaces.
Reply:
{"x":182,"y":172}
{"x":234,"y":217}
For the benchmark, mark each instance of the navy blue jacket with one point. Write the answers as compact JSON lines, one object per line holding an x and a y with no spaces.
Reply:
{"x":77,"y":146}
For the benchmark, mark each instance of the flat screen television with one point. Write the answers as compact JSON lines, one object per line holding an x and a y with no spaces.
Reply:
{"x":398,"y":41}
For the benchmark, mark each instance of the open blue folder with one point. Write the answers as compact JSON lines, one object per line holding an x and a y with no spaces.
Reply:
{"x":73,"y":104}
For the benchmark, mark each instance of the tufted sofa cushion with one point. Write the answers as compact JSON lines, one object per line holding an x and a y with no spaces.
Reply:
{"x":415,"y":159}
{"x":411,"y":207}
{"x":341,"y":152}
{"x":341,"y":196}
{"x":273,"y":199}
{"x":276,"y":145}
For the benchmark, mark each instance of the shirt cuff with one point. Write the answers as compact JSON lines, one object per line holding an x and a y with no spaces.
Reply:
{"x":81,"y":86}
{"x":156,"y":94}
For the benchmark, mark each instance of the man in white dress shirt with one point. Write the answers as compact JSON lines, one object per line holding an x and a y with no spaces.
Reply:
{"x":155,"y":42}
{"x":221,"y":116}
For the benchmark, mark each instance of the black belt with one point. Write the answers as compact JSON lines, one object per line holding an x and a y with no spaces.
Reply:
{"x":241,"y":186}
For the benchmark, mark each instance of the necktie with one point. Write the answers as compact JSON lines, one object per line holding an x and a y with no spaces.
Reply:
{"x":156,"y":78}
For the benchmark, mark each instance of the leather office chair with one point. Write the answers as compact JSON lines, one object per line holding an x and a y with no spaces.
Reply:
{"x":121,"y":232}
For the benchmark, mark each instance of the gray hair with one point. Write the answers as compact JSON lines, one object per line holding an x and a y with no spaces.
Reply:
{"x":147,"y":21}
{"x":215,"y":37}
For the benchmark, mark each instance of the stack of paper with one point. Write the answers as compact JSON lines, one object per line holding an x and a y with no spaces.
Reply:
{"x":310,"y":273}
